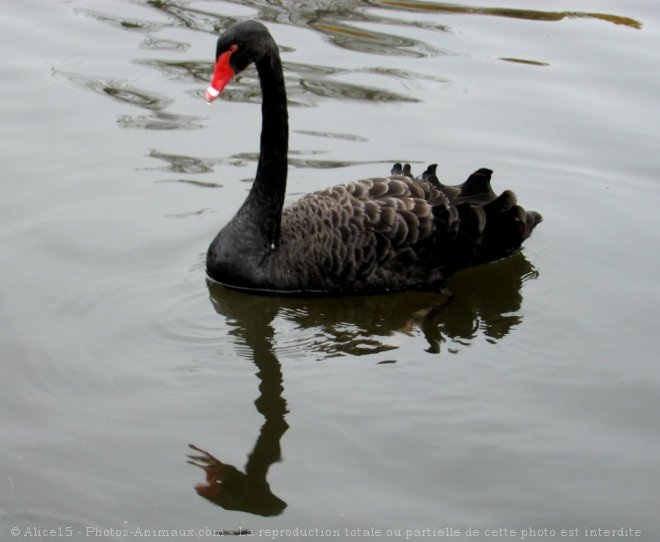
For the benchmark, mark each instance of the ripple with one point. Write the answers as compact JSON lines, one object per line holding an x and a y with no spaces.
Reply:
{"x":331,"y":135}
{"x":137,"y":97}
{"x":184,"y":15}
{"x":161,"y":121}
{"x":124,"y":23}
{"x":305,"y":83}
{"x":181,"y":163}
{"x":200,"y":184}
{"x":338,"y":21}
{"x":303,"y":69}
{"x":179,"y":15}
{"x":128,"y":94}
{"x":178,"y":70}
{"x":179,"y":318}
{"x":376,"y":43}
{"x":118,"y":90}
{"x":321,"y":328}
{"x":353,"y":337}
{"x":188,"y":214}
{"x":406,"y":75}
{"x":243,"y":89}
{"x":342,"y":340}
{"x":244,"y":159}
{"x":159,"y":44}
{"x":524,"y":61}
{"x":529,"y":14}
{"x":347,"y":91}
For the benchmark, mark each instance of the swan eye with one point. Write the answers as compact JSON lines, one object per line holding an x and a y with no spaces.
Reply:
{"x":233,"y":48}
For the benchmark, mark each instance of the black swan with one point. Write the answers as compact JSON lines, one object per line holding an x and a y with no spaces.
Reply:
{"x":373,"y":235}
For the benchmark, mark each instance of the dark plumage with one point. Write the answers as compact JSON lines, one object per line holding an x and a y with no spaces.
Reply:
{"x":373,"y":235}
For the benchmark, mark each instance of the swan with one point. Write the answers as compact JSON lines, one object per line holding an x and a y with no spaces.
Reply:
{"x":382,"y":234}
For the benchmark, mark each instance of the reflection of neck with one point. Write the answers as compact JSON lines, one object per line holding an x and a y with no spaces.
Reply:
{"x":270,"y":402}
{"x":227,"y":486}
{"x":264,"y":204}
{"x":272,"y":405}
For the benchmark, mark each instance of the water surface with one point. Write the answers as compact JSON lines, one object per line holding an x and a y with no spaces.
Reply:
{"x":137,"y":396}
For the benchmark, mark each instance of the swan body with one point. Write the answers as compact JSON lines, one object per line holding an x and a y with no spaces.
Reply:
{"x":380,"y":234}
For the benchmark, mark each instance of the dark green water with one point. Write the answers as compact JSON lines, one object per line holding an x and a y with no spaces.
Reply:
{"x":528,"y":403}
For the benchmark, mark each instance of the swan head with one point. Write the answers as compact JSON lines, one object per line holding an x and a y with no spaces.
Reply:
{"x":241,"y":44}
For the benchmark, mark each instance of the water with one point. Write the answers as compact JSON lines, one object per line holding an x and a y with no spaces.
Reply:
{"x":528,"y":402}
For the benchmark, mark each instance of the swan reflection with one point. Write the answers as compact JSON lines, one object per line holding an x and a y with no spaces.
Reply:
{"x":482,"y":301}
{"x":226,"y":485}
{"x":485,"y":300}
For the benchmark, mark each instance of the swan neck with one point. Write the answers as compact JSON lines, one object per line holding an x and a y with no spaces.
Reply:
{"x":267,"y":195}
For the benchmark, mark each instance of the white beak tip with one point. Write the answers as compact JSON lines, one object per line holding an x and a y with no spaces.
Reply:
{"x":211,"y":94}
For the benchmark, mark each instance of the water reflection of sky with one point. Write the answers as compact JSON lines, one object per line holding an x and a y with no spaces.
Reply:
{"x":544,"y":392}
{"x":371,"y":27}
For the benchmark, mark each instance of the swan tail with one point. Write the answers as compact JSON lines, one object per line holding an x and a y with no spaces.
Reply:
{"x":491,"y":226}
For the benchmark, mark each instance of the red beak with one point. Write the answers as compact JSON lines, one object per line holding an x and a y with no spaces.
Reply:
{"x":222,"y":74}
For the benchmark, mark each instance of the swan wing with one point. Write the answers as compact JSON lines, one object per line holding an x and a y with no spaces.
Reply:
{"x":376,"y":231}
